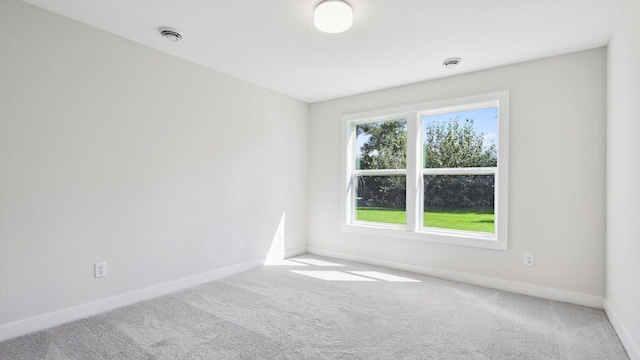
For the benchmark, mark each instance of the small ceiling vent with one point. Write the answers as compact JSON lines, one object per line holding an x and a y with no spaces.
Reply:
{"x":451,"y":62}
{"x":170,"y":33}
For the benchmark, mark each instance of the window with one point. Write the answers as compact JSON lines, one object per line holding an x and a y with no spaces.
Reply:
{"x":435,"y":171}
{"x":380,"y":171}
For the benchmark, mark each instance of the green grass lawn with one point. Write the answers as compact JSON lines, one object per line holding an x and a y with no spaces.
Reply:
{"x":463,"y":219}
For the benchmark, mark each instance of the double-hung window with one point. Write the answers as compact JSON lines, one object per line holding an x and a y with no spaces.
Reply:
{"x":436,"y":171}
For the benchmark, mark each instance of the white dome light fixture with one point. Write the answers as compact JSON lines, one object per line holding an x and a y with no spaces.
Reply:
{"x":333,"y":16}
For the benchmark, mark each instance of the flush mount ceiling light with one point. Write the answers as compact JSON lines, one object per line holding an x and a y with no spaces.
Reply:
{"x":450,"y":63}
{"x":170,"y":33}
{"x":333,"y":16}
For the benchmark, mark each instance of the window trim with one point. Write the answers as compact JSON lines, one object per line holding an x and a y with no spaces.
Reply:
{"x":415,"y":172}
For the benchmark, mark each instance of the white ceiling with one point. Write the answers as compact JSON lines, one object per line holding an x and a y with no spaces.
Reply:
{"x":272,"y":43}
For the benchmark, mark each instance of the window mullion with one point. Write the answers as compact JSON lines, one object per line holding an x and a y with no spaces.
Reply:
{"x":413,"y":171}
{"x":460,"y":171}
{"x":380,"y":172}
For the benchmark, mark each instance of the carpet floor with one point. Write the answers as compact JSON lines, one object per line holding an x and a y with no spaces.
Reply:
{"x":312,"y":307}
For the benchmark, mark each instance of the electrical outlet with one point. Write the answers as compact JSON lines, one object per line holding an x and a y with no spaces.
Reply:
{"x":100,"y":269}
{"x":528,"y":260}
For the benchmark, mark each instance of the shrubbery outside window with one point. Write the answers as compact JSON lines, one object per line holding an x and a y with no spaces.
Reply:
{"x":436,"y":171}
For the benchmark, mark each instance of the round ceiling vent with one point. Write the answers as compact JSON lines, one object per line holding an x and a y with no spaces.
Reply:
{"x":170,"y":33}
{"x":451,"y":62}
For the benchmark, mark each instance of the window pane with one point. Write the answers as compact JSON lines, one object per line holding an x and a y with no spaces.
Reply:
{"x":459,"y":202}
{"x":381,"y":145}
{"x":461,"y":139}
{"x":381,"y":199}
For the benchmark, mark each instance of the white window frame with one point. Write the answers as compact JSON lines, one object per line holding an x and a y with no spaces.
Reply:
{"x":415,"y":173}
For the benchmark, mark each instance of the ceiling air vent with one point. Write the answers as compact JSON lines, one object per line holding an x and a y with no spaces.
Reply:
{"x":170,"y":33}
{"x":451,"y":62}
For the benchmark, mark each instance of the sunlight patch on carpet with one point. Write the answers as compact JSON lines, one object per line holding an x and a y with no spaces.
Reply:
{"x":383,"y":276}
{"x":332,"y":275}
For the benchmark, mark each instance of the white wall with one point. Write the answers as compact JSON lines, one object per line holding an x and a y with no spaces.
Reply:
{"x":623,"y":179}
{"x":114,"y":152}
{"x":111,"y":151}
{"x":557,"y":179}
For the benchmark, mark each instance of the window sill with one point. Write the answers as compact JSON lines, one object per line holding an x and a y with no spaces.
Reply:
{"x":451,"y":237}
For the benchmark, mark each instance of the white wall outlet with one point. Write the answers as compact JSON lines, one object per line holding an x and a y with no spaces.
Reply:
{"x":528,"y":260}
{"x":100,"y":269}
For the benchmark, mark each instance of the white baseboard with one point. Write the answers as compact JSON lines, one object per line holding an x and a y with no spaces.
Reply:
{"x":41,"y":322}
{"x":630,"y":343}
{"x":507,"y":285}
